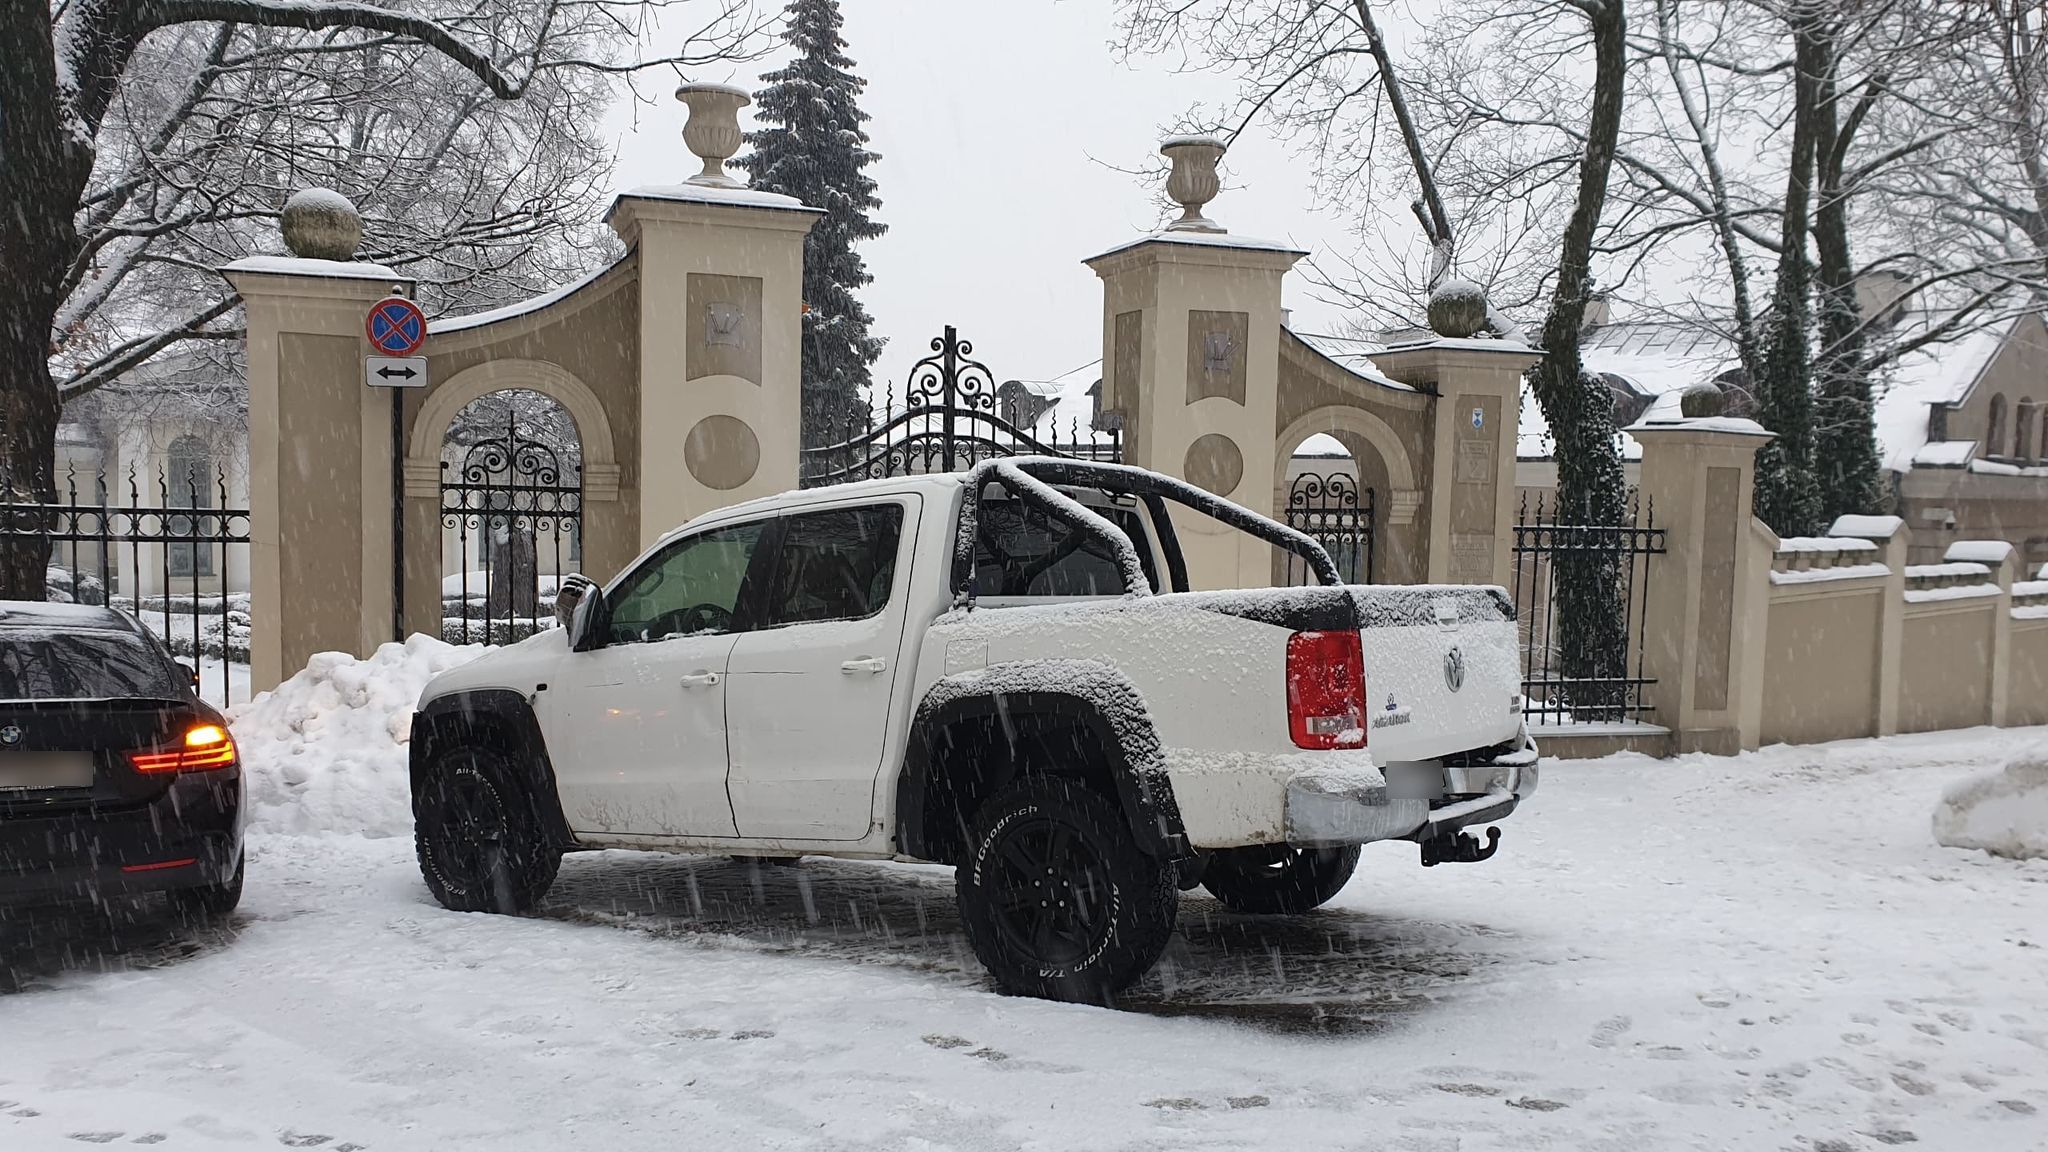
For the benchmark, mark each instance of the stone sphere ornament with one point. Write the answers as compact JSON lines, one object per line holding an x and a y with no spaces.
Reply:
{"x":1457,"y":309}
{"x":321,"y":224}
{"x":1193,"y":181}
{"x":1702,"y":400}
{"x":713,"y":131}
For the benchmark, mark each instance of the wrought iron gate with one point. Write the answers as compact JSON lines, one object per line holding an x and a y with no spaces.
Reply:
{"x":947,"y":421}
{"x":512,"y":520}
{"x":1333,"y":509}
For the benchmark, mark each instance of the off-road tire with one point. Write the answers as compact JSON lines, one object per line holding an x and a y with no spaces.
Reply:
{"x":210,"y":901}
{"x":482,"y":844}
{"x":1277,"y":878}
{"x":1107,"y":908}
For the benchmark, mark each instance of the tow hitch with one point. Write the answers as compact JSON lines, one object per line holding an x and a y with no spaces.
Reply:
{"x":1459,"y":848}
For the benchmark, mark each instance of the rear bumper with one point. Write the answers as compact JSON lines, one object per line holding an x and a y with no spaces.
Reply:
{"x":1472,"y":792}
{"x":189,"y":837}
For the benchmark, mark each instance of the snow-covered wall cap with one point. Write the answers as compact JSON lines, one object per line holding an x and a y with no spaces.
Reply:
{"x":1737,"y":425}
{"x":1989,"y":552}
{"x":1866,"y":527}
{"x":713,"y":194}
{"x":1203,"y":240}
{"x":304,"y":266}
{"x":1945,"y":454}
{"x":1464,"y":344}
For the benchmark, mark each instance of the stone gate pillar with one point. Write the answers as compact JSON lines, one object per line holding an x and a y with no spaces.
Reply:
{"x":320,"y":495}
{"x":1191,"y":361}
{"x":1468,"y":501}
{"x":1706,"y":605}
{"x":721,"y":325}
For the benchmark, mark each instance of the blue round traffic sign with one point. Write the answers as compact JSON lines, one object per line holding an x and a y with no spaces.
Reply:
{"x":396,"y":326}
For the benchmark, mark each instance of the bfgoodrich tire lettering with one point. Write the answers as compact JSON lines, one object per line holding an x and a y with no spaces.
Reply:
{"x":1058,"y":901}
{"x":481,"y":843}
{"x":1278,"y":878}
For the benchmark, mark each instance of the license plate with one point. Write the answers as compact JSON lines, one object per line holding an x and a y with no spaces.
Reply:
{"x":28,"y":771}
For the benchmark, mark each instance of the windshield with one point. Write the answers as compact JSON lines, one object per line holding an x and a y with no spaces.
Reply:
{"x":53,"y":666}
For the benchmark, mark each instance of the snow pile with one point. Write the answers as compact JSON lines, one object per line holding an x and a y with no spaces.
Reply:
{"x":325,"y":751}
{"x":2004,"y":813}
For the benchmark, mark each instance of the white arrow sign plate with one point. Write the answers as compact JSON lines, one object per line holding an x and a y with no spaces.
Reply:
{"x":395,"y":371}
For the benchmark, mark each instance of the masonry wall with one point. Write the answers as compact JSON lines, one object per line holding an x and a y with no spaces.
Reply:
{"x":1821,"y":661}
{"x":1946,"y":681}
{"x":2027,"y":688}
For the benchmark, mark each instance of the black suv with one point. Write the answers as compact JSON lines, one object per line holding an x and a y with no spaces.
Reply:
{"x":115,"y":778}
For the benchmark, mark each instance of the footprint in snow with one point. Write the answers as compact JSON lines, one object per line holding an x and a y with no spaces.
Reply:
{"x":1176,"y":1104}
{"x":753,"y":1034}
{"x":1261,"y":1101}
{"x":938,"y":1041}
{"x":1536,"y":1104}
{"x":94,"y":1137}
{"x":1468,"y":1089}
{"x":1608,"y":1031}
{"x":1893,"y":1136}
{"x":2019,"y":1106}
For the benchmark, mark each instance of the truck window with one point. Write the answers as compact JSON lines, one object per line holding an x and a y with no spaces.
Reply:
{"x":1020,"y":551}
{"x":836,"y":565}
{"x":691,"y":589}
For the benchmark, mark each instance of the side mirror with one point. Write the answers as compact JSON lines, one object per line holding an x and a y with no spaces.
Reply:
{"x":587,"y":621}
{"x":191,"y":674}
{"x":573,"y":588}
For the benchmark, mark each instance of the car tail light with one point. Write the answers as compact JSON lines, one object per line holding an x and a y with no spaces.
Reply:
{"x":1326,"y":690}
{"x":203,"y":747}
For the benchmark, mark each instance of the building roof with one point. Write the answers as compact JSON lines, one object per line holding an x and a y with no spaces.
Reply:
{"x":1661,"y":358}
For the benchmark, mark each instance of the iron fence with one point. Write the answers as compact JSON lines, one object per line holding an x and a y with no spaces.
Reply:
{"x":167,"y":549}
{"x":1580,"y":595}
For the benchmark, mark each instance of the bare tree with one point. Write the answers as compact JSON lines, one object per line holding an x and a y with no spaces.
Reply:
{"x":122,"y":120}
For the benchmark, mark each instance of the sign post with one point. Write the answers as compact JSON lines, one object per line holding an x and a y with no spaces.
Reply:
{"x":396,"y":327}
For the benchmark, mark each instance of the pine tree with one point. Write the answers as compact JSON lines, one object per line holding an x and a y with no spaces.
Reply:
{"x":812,"y":147}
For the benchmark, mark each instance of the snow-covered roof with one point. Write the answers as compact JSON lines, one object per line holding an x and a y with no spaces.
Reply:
{"x":1935,"y":374}
{"x":302,"y":266}
{"x":1661,"y":358}
{"x":1072,"y":414}
{"x":1353,"y":354}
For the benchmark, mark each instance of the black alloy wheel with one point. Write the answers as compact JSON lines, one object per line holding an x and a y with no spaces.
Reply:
{"x":1278,"y":878}
{"x":480,"y":842}
{"x":1056,"y":897}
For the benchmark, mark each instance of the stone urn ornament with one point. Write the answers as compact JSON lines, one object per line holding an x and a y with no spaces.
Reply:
{"x":1457,"y":309}
{"x":713,"y":131}
{"x":321,"y":224}
{"x":1194,"y":181}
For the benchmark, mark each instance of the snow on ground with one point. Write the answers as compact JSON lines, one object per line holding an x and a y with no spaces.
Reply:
{"x":1762,"y":952}
{"x":2005,"y":812}
{"x":325,"y":751}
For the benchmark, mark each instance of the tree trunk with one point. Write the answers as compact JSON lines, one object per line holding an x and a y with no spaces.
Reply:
{"x":1845,"y":436}
{"x":1591,"y":488}
{"x":1786,"y":496}
{"x":41,"y":171}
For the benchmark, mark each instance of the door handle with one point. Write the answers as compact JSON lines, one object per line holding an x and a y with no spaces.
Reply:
{"x":698,"y":679}
{"x":864,"y":664}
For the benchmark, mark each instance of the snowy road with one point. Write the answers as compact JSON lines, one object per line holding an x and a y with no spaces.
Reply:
{"x":1757,"y":953}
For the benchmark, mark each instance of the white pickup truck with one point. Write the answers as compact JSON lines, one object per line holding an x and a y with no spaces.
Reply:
{"x":1001,"y":670}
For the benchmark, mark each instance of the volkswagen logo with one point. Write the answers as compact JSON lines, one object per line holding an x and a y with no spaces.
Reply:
{"x":1454,"y":669}
{"x":10,"y":735}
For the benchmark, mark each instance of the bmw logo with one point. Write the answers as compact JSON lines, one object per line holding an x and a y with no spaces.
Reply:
{"x":10,"y":735}
{"x":1454,"y":669}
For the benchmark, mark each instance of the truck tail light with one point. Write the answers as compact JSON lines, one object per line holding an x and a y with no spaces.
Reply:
{"x":203,"y":747}
{"x":1326,"y":690}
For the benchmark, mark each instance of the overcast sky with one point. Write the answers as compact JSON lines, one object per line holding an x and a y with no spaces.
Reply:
{"x":995,"y":120}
